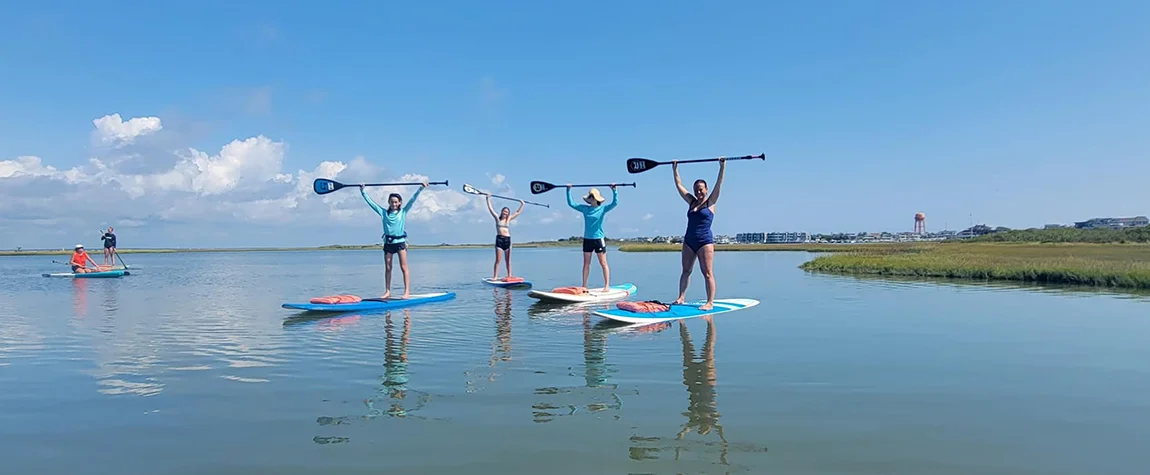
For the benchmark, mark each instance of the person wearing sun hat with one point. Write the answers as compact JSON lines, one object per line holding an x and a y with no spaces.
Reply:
{"x":593,"y":237}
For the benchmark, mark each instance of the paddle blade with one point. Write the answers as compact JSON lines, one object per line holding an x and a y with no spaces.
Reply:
{"x":470,"y":189}
{"x":323,"y":186}
{"x":640,"y":165}
{"x":538,"y":187}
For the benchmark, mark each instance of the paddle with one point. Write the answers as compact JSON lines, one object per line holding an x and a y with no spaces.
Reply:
{"x":323,"y":186}
{"x":470,"y":189}
{"x":640,"y":165}
{"x":538,"y":187}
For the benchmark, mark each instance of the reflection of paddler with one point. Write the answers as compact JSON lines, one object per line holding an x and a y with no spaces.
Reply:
{"x":502,"y":327}
{"x":395,"y":357}
{"x":699,"y":377}
{"x":80,"y":297}
{"x":594,"y":354}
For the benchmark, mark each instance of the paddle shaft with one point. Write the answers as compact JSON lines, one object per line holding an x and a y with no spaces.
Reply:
{"x":517,"y":199}
{"x":396,"y":184}
{"x":702,"y":160}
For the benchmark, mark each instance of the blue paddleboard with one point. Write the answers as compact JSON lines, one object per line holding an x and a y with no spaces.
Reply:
{"x":677,"y":312}
{"x":372,"y":304}
{"x":501,"y":283}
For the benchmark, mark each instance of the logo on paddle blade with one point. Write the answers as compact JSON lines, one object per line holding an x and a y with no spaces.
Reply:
{"x":537,"y":187}
{"x":638,"y":165}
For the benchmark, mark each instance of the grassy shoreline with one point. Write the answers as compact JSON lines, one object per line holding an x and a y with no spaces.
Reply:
{"x":1089,"y":264}
{"x":800,"y":247}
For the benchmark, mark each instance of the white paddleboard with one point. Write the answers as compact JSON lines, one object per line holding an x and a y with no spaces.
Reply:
{"x":677,"y":312}
{"x":617,"y":292}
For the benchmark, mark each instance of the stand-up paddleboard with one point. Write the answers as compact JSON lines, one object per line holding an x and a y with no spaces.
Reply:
{"x":677,"y":312}
{"x":90,"y":275}
{"x":514,"y":282}
{"x":372,"y":303}
{"x":617,"y":292}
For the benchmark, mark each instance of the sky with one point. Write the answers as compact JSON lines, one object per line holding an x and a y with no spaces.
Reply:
{"x":203,"y":124}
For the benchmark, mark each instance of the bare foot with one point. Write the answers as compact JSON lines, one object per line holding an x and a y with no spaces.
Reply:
{"x":405,"y":295}
{"x":607,"y":288}
{"x":707,"y":306}
{"x":678,"y":301}
{"x":386,"y":295}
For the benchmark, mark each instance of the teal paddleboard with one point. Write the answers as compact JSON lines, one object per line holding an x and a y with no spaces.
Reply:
{"x":372,"y":303}
{"x":90,"y":275}
{"x":677,"y":312}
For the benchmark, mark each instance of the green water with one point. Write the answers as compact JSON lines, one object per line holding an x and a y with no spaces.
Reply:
{"x":191,"y":366}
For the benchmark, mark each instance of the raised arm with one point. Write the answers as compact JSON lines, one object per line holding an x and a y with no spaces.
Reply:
{"x":491,"y":209}
{"x":411,"y":202}
{"x":370,"y":202}
{"x":684,"y":193}
{"x":614,"y":199}
{"x":570,"y":201}
{"x":516,"y":213}
{"x":714,"y":198}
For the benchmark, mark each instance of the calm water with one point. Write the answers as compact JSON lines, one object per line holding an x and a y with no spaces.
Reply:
{"x":191,"y":366}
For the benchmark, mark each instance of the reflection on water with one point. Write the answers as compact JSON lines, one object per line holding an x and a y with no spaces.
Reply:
{"x":702,"y":413}
{"x":394,"y":398}
{"x":595,"y":396}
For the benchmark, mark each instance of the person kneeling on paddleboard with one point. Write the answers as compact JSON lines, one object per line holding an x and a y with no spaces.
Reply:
{"x":503,"y":234}
{"x":80,"y":260}
{"x":593,"y":237}
{"x":698,"y":242}
{"x":394,"y":235}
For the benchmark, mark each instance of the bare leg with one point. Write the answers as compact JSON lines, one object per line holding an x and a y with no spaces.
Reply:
{"x":685,"y":278}
{"x":606,"y":271}
{"x":107,"y":254}
{"x":387,"y":275}
{"x":706,"y":260}
{"x":495,"y":270}
{"x":403,"y":268}
{"x":586,"y":266}
{"x":507,"y":255}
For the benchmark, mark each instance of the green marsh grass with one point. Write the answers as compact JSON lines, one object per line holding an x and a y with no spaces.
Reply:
{"x":1103,"y":265}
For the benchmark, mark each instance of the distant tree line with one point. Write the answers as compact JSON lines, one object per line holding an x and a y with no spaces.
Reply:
{"x":1128,"y":235}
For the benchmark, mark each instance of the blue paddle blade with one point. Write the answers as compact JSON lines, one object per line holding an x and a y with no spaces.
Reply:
{"x":323,"y":186}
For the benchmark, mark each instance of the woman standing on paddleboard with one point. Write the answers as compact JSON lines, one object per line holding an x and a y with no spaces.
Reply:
{"x":394,"y":235}
{"x":503,"y":234}
{"x":593,"y":237}
{"x":698,"y":241}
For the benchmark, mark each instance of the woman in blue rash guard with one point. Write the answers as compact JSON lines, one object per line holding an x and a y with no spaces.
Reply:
{"x":394,"y":235}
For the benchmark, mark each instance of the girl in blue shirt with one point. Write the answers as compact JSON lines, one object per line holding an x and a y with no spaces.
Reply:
{"x":593,"y":237}
{"x":394,"y":235}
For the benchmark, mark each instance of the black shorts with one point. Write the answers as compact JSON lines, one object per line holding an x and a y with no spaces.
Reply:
{"x":75,"y":268}
{"x":594,"y":245}
{"x":394,"y":247}
{"x":503,"y":242}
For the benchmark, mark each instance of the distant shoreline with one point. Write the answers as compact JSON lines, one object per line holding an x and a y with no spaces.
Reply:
{"x":365,"y":247}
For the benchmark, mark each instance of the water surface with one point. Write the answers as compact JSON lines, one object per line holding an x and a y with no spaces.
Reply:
{"x":190,"y":366}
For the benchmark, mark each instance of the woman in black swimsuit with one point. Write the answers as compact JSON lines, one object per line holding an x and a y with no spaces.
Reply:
{"x":109,"y":247}
{"x":503,"y":234}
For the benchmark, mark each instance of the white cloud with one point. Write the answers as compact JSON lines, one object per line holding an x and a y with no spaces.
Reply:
{"x":112,"y":129}
{"x":498,"y":179}
{"x":244,"y":182}
{"x":648,"y":217}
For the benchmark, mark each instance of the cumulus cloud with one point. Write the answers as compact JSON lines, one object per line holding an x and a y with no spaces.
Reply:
{"x":243,"y":182}
{"x":498,"y":179}
{"x":113,"y":130}
{"x":648,"y":217}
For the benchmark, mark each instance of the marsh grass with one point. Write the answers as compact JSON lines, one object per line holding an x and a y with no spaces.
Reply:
{"x":811,"y":247}
{"x":1105,"y":265}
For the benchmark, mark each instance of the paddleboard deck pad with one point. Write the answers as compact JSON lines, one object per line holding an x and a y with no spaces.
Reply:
{"x":677,"y":312}
{"x":616,"y":292}
{"x":90,"y":275}
{"x":513,"y":283}
{"x":372,"y":303}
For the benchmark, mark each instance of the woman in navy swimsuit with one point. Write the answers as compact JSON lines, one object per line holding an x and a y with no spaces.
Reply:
{"x":698,"y":241}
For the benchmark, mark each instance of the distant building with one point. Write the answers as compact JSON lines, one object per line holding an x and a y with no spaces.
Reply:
{"x":751,"y":238}
{"x":787,"y":237}
{"x":1055,"y":226}
{"x":1113,"y":223}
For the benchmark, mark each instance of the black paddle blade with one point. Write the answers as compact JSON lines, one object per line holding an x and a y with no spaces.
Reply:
{"x":538,"y":187}
{"x":323,"y":186}
{"x":640,"y":165}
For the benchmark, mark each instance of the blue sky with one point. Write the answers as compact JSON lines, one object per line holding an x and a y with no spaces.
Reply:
{"x":203,"y":124}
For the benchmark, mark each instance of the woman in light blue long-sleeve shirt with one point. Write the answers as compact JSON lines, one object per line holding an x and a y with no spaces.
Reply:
{"x":593,"y":238}
{"x":394,"y":235}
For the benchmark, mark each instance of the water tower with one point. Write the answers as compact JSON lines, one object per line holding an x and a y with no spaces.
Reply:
{"x":920,"y":223}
